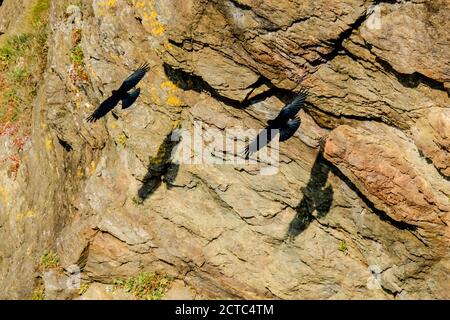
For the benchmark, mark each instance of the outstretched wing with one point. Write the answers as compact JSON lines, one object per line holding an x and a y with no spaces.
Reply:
{"x":290,"y":110}
{"x":261,"y":140}
{"x":130,"y":98}
{"x":134,"y":78}
{"x":105,"y":107}
{"x":289,"y":129}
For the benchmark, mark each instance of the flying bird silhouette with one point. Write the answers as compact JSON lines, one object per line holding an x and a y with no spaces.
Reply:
{"x":121,"y":94}
{"x":286,"y":123}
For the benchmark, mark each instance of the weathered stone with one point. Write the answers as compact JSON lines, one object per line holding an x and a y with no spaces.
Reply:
{"x":179,"y":291}
{"x":365,"y":219}
{"x":431,"y":134}
{"x":99,"y":291}
{"x":58,"y":286}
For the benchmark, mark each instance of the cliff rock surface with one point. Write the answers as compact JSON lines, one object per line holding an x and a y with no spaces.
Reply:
{"x":359,"y":207}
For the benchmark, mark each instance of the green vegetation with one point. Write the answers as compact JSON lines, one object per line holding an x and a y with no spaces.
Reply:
{"x":79,"y":3}
{"x":39,"y":9}
{"x":22,"y":61}
{"x":122,"y":139}
{"x":38,"y":293}
{"x":76,"y":56}
{"x":83,"y":288}
{"x":49,"y":260}
{"x":136,"y":201}
{"x":146,"y":285}
{"x":342,"y":246}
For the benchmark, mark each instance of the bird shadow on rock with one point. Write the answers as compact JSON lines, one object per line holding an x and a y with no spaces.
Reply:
{"x":189,"y":81}
{"x":317,"y":197}
{"x":160,"y":168}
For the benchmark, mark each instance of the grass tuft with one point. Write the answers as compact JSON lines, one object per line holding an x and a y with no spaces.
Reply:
{"x":83,"y":288}
{"x":49,"y":260}
{"x":122,"y":140}
{"x":342,"y":246}
{"x":38,"y":292}
{"x":146,"y":285}
{"x":39,"y":12}
{"x":23,"y":58}
{"x":76,"y":55}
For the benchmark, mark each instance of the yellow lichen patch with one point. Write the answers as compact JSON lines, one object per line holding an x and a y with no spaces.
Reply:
{"x":167,"y":46}
{"x":141,"y":3}
{"x":3,"y":195}
{"x":157,"y":29}
{"x":109,"y":3}
{"x":49,"y":143}
{"x":91,"y":168}
{"x":150,"y":17}
{"x":104,"y":5}
{"x":79,"y":173}
{"x":122,"y":139}
{"x":174,"y":101}
{"x":176,"y":124}
{"x":114,"y":125}
{"x":168,"y":86}
{"x":26,"y":214}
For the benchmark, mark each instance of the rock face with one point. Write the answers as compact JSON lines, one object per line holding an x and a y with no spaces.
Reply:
{"x":359,"y":207}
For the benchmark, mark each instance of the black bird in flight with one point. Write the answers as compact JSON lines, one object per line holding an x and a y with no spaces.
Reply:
{"x":286,"y":123}
{"x":121,"y":94}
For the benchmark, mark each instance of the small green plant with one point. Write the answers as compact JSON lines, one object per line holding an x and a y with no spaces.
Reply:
{"x":342,"y":246}
{"x":122,"y":140}
{"x":118,"y":283}
{"x":136,"y":200}
{"x":16,"y":74}
{"x":38,"y":292}
{"x":146,"y":285}
{"x":77,"y":55}
{"x":14,"y":47}
{"x":39,"y":9}
{"x":49,"y":260}
{"x":83,"y":288}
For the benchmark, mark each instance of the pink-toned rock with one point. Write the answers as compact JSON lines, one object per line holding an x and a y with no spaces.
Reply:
{"x":432,"y":136}
{"x":387,"y":168}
